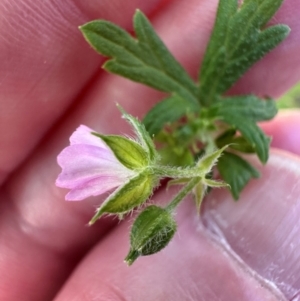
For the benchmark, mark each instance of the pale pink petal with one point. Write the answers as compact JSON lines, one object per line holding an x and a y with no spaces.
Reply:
{"x":83,"y":162}
{"x":83,"y":135}
{"x":93,"y":187}
{"x":83,"y":165}
{"x":89,"y":167}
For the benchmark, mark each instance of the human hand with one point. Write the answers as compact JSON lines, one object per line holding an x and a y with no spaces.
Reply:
{"x":50,"y":83}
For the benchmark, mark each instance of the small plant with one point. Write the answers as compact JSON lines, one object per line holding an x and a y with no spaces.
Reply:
{"x":196,"y":127}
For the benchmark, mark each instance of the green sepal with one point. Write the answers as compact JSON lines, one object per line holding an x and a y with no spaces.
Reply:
{"x":214,"y":183}
{"x":128,"y":152}
{"x":180,"y":181}
{"x":236,"y":171}
{"x":199,"y":192}
{"x":142,"y":134}
{"x":151,"y":232}
{"x":133,"y":194}
{"x":165,"y":112}
{"x":206,"y":163}
{"x":144,"y":59}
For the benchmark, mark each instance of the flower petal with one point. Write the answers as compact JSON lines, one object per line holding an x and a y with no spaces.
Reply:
{"x":83,"y":135}
{"x":82,"y":165}
{"x":93,"y":187}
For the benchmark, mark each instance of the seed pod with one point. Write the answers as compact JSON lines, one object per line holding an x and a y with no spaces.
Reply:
{"x":151,"y":232}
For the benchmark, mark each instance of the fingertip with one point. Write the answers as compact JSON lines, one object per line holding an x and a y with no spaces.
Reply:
{"x":285,"y":130}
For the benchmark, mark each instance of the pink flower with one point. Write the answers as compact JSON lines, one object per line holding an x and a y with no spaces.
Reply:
{"x":89,"y":167}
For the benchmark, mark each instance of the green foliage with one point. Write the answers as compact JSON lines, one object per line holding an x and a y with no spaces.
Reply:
{"x":193,"y":119}
{"x":248,"y":106}
{"x":176,"y":156}
{"x":252,"y":133}
{"x":236,"y":172}
{"x":239,"y":39}
{"x":166,"y":112}
{"x":144,"y":59}
{"x":242,"y":113}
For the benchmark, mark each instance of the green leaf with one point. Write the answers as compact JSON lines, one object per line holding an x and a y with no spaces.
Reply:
{"x":127,"y":151}
{"x":242,"y":145}
{"x":238,"y":143}
{"x":252,"y":133}
{"x":236,"y":172}
{"x":142,"y":134}
{"x":144,"y":59}
{"x":237,"y":42}
{"x":134,"y":193}
{"x":166,"y":111}
{"x":249,"y":106}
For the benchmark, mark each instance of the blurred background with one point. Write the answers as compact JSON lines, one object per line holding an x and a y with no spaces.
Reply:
{"x":291,"y":99}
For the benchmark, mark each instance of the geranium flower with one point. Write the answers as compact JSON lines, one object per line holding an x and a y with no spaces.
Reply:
{"x":89,"y":167}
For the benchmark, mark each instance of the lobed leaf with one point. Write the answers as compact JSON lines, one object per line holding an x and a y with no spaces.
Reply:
{"x":144,"y":59}
{"x":237,"y":42}
{"x":252,"y":133}
{"x":236,"y":172}
{"x":249,"y":106}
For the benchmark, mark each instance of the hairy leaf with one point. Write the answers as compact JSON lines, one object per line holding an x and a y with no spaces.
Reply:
{"x":238,"y":143}
{"x":166,"y":111}
{"x":249,"y":106}
{"x":144,"y":59}
{"x":236,"y":172}
{"x":252,"y":133}
{"x":239,"y":39}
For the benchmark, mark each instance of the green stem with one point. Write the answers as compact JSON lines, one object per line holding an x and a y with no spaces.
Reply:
{"x":176,"y":172}
{"x":183,"y":193}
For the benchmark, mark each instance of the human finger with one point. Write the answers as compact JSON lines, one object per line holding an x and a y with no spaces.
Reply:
{"x":285,"y":130}
{"x":245,"y":250}
{"x":53,"y":225}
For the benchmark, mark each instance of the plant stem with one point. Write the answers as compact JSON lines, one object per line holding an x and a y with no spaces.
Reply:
{"x":177,"y":173}
{"x":183,"y":193}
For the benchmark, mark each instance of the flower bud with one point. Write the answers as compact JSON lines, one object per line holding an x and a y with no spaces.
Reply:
{"x":151,"y":232}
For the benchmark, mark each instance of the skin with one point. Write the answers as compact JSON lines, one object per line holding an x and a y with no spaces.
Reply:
{"x":51,"y":82}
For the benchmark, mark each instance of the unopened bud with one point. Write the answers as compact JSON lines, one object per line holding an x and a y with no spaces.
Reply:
{"x":151,"y":232}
